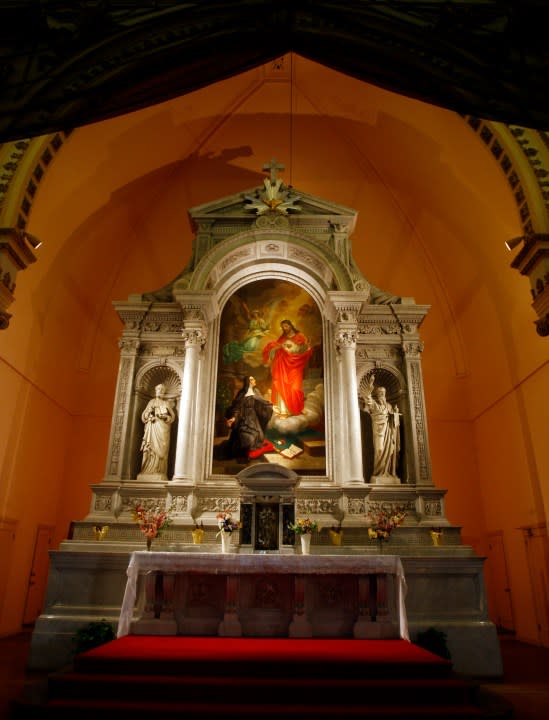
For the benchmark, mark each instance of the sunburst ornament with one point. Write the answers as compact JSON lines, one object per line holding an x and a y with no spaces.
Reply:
{"x":276,"y":197}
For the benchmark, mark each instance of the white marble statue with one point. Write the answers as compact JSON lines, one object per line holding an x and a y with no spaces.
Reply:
{"x":157,"y":417}
{"x":385,"y":430}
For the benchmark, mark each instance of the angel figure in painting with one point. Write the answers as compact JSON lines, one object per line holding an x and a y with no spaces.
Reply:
{"x":257,"y":325}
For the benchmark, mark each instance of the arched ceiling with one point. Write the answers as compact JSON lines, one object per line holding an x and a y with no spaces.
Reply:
{"x":67,"y":64}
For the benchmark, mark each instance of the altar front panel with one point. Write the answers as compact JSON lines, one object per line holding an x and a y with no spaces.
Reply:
{"x":264,"y":595}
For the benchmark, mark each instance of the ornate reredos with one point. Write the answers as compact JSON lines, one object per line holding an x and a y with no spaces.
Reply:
{"x":280,"y":234}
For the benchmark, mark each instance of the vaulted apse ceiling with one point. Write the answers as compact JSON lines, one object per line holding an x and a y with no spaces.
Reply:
{"x":67,"y":64}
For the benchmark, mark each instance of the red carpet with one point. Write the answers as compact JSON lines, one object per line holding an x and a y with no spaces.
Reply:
{"x":157,"y":648}
{"x":213,"y":677}
{"x":267,"y":656}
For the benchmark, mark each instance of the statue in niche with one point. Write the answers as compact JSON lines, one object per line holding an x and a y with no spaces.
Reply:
{"x":157,"y":418}
{"x":385,"y":424}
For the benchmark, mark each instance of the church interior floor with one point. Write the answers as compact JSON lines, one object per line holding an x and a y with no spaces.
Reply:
{"x":523,"y":691}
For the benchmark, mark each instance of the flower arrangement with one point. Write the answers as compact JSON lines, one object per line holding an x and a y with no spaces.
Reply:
{"x":225,"y":523}
{"x":151,"y":522}
{"x":383,"y":522}
{"x":304,"y":525}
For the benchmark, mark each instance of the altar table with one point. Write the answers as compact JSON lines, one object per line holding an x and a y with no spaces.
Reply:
{"x":295,"y":595}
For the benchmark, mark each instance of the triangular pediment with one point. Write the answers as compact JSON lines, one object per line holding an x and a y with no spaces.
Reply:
{"x":248,"y":205}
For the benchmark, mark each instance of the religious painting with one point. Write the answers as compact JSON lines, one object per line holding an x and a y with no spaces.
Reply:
{"x":270,"y":380}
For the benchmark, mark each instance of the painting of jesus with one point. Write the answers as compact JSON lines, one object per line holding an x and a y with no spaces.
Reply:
{"x":271,"y":340}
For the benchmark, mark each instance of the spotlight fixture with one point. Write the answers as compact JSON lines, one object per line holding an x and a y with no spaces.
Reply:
{"x":513,"y":242}
{"x":32,"y":240}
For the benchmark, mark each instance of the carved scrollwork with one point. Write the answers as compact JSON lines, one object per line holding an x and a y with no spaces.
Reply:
{"x":277,"y":221}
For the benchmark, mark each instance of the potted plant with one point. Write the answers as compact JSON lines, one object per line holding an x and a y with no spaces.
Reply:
{"x":92,"y":635}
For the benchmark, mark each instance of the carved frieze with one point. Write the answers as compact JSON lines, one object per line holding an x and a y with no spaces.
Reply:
{"x":236,"y":257}
{"x":178,"y":504}
{"x":275,"y":221}
{"x":375,"y":327}
{"x":162,"y":351}
{"x":356,"y":506}
{"x":317,"y":506}
{"x":102,"y":503}
{"x":301,"y":255}
{"x":432,"y":508}
{"x":376,"y":353}
{"x":216,"y":504}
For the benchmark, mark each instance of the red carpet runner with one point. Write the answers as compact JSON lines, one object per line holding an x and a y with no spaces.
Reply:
{"x":229,"y":678}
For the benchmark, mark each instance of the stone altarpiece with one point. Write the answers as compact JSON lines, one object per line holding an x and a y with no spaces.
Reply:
{"x":285,"y":240}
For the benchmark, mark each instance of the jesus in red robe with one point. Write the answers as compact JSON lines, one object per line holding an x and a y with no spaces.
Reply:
{"x":288,"y":357}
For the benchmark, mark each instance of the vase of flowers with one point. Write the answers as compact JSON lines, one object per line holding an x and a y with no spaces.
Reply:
{"x":304,"y":527}
{"x":151,"y":522}
{"x":382,"y":523}
{"x":226,"y":526}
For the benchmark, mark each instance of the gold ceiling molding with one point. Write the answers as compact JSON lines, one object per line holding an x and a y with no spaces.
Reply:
{"x":530,"y":147}
{"x":23,"y":166}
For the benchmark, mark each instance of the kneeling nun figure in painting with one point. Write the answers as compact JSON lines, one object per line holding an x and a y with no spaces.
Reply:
{"x":247,"y":417}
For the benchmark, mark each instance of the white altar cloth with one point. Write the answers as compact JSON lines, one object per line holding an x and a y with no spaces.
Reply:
{"x":143,"y":561}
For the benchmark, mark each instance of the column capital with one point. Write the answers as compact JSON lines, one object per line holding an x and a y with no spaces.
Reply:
{"x":194,"y":337}
{"x":345,"y":338}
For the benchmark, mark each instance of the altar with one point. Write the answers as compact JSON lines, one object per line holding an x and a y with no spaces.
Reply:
{"x":171,"y":593}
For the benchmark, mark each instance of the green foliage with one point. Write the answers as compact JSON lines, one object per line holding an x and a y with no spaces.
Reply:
{"x":92,"y":635}
{"x":434,"y":641}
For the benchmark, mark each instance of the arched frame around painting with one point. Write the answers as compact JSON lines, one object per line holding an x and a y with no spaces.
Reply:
{"x":259,"y":320}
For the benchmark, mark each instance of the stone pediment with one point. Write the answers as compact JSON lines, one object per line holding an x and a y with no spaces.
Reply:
{"x":276,"y":200}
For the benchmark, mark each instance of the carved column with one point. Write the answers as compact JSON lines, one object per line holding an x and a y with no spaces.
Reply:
{"x":198,"y":309}
{"x":184,"y":455}
{"x":345,"y":341}
{"x":420,"y":458}
{"x":118,"y":458}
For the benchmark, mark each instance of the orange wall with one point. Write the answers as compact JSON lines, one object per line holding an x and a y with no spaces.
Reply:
{"x":433,"y":212}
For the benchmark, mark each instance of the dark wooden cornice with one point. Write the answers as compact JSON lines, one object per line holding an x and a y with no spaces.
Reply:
{"x":65,"y":64}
